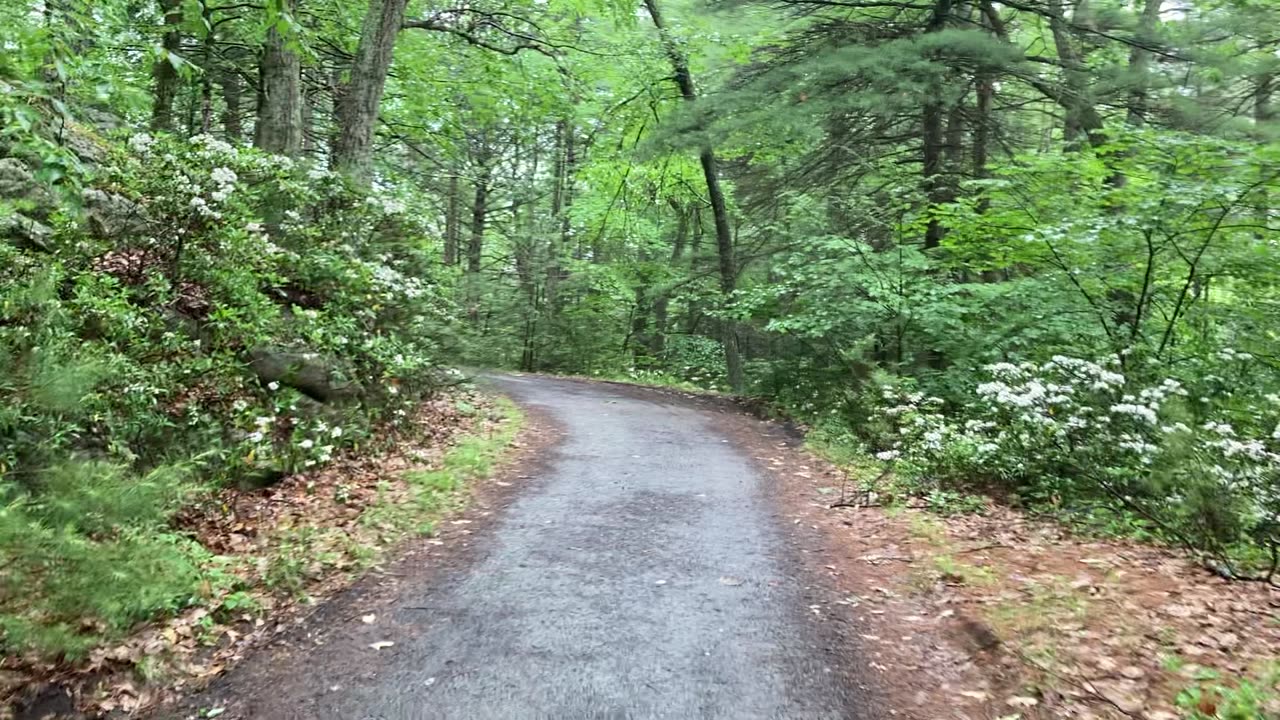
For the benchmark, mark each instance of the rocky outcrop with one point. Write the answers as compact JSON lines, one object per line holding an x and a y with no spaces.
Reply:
{"x":111,"y":216}
{"x":308,"y":373}
{"x":34,"y":203}
{"x":26,"y":232}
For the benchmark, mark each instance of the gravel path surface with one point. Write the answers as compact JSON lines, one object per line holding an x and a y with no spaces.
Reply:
{"x":641,"y":573}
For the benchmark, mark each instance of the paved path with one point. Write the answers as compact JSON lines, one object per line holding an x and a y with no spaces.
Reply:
{"x":641,"y":574}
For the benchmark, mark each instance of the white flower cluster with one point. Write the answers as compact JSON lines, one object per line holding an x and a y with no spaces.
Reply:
{"x":311,"y":446}
{"x":1230,"y":354}
{"x":1075,"y":413}
{"x":385,"y":204}
{"x":141,"y":143}
{"x":210,"y":147}
{"x":393,"y":282}
{"x":261,"y":428}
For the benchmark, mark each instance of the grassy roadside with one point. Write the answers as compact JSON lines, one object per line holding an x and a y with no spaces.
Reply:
{"x":264,"y":557}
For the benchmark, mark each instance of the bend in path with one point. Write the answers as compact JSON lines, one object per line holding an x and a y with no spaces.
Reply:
{"x":641,"y":574}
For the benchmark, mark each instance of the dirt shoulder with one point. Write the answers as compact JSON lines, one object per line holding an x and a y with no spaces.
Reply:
{"x":301,"y":550}
{"x":997,"y":615}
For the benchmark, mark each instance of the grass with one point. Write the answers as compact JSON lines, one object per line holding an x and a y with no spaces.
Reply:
{"x":85,"y":570}
{"x":432,"y":494}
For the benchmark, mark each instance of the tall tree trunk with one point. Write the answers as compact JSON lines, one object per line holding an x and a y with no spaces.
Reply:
{"x":715,"y":194}
{"x":1264,"y":115}
{"x":193,"y":104}
{"x":661,"y":303}
{"x":279,"y":125}
{"x":479,"y":216}
{"x":452,"y":219}
{"x":933,"y":140}
{"x":1263,"y":109}
{"x":1140,"y":61}
{"x":231,"y":86}
{"x":357,"y":111}
{"x":1081,"y":120}
{"x":985,"y":93}
{"x":207,"y":72}
{"x":563,"y":202}
{"x":163,"y":73}
{"x":308,"y":118}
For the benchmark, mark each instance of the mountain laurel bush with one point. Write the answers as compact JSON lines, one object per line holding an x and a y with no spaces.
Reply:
{"x":126,"y":384}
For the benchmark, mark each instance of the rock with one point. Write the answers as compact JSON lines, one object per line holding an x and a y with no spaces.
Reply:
{"x":26,"y":233}
{"x":1133,"y":672}
{"x":19,"y":184}
{"x":16,"y":180}
{"x":102,"y":119}
{"x":112,"y":216}
{"x":308,"y":373}
{"x":979,"y":634}
{"x":84,"y":145}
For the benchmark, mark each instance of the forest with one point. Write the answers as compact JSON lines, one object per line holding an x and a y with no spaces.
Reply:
{"x":1019,"y":249}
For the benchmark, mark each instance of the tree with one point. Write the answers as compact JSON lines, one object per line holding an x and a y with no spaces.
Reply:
{"x":360,"y":98}
{"x":683,"y":79}
{"x":279,"y":126}
{"x":165,"y":70}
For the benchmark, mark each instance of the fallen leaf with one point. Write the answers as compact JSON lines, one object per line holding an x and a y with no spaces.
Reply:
{"x":368,"y":619}
{"x":381,"y":644}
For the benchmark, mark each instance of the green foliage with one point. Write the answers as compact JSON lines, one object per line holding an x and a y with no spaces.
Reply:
{"x":1246,"y":699}
{"x":88,"y":554}
{"x":126,"y":381}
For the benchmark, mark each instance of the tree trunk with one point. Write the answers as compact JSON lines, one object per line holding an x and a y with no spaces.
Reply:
{"x":661,"y":304}
{"x":932,"y":168}
{"x":230,"y":83}
{"x":279,"y":125}
{"x":452,"y":219}
{"x":933,"y":140}
{"x":358,"y":109}
{"x":206,"y":75}
{"x":308,"y":119}
{"x":1263,"y":109}
{"x":567,"y":163}
{"x":715,"y":194}
{"x":479,"y":215}
{"x":1264,"y":116}
{"x":1140,"y":61}
{"x":163,"y":72}
{"x":1081,"y":120}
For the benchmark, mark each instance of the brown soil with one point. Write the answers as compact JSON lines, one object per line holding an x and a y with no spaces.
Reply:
{"x":1000,"y":616}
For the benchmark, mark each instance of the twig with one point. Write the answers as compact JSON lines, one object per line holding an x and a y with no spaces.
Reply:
{"x":853,"y":504}
{"x":982,"y":547}
{"x":1084,"y":685}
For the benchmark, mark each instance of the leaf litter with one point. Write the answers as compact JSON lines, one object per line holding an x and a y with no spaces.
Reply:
{"x":246,"y":531}
{"x":1009,"y":613}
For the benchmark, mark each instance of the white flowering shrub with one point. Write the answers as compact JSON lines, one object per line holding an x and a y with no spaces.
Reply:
{"x":128,"y":350}
{"x":1076,"y":433}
